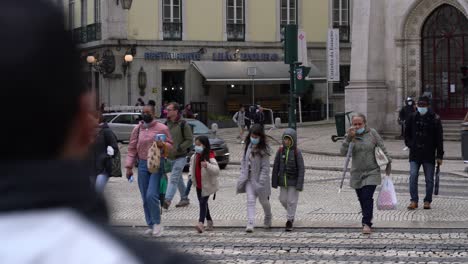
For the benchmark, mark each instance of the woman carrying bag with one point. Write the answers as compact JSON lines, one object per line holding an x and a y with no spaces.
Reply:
{"x":365,"y":172}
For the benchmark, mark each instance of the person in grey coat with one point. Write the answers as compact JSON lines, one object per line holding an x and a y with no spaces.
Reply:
{"x":254,"y":176}
{"x":365,"y":173}
{"x":288,"y":173}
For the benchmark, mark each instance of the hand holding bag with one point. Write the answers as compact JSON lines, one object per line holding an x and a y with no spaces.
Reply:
{"x":387,"y":199}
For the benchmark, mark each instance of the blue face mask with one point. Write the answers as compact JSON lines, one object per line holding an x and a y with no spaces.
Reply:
{"x":422,"y":110}
{"x":199,"y":149}
{"x":360,"y":131}
{"x":254,"y":141}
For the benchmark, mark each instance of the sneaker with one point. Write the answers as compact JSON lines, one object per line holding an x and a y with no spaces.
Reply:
{"x":267,"y":222}
{"x":427,"y":205}
{"x":209,"y":225}
{"x":157,"y":230}
{"x":367,"y":230}
{"x":183,"y":203}
{"x":250,"y":227}
{"x":200,"y":228}
{"x":148,"y":232}
{"x":289,"y":226}
{"x":166,"y":204}
{"x":412,"y":206}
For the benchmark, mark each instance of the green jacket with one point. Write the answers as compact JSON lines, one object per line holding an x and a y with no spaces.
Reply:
{"x":364,"y":168}
{"x":180,"y":144}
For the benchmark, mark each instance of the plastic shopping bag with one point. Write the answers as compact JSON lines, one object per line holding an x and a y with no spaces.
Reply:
{"x":387,"y":199}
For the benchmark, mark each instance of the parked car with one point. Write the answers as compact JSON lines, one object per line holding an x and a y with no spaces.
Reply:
{"x":122,"y":124}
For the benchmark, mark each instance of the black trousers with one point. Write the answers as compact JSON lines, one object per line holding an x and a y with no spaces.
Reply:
{"x":204,"y":210}
{"x":366,"y":199}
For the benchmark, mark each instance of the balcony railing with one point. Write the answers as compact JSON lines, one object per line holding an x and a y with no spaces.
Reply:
{"x":235,"y":32}
{"x":172,"y":31}
{"x":93,"y":32}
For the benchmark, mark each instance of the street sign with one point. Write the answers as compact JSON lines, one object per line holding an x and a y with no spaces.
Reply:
{"x":299,"y":73}
{"x":302,"y":48}
{"x":333,"y":55}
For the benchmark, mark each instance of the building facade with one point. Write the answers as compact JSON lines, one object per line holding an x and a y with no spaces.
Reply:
{"x":404,"y":48}
{"x":218,"y":52}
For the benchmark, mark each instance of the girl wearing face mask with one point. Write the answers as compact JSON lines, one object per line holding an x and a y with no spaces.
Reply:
{"x":254,"y":179}
{"x":205,"y":170}
{"x":365,"y":173}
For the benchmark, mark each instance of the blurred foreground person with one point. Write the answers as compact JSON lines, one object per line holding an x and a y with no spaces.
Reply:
{"x":49,"y":211}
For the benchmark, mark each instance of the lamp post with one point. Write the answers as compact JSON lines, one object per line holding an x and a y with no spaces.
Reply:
{"x":252,"y":71}
{"x":128,"y":58}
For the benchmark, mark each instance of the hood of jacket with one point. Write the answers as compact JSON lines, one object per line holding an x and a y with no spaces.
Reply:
{"x":50,"y":184}
{"x":291,"y":133}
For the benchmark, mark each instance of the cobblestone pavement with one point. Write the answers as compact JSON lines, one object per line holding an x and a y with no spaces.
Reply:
{"x":319,"y":204}
{"x":233,"y":245}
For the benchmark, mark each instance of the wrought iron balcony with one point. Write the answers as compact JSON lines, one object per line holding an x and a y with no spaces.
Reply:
{"x":172,"y":31}
{"x":93,"y":32}
{"x":76,"y":35}
{"x":235,"y":32}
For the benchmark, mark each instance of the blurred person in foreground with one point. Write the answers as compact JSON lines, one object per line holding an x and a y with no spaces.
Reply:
{"x":49,"y":211}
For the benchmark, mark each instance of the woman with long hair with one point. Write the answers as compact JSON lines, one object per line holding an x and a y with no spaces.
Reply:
{"x":254,"y":179}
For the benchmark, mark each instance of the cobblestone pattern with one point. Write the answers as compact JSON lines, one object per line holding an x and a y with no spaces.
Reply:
{"x":233,"y":245}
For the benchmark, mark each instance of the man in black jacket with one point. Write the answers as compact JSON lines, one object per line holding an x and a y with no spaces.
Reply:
{"x":424,"y":138}
{"x":49,"y":211}
{"x":405,"y":113}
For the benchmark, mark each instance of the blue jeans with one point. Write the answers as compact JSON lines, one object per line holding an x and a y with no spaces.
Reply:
{"x":149,"y":189}
{"x":429,"y":177}
{"x":101,"y":181}
{"x":176,"y":181}
{"x":189,"y":187}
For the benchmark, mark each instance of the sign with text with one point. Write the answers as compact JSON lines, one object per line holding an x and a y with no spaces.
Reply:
{"x":172,"y":56}
{"x":302,"y":48}
{"x":333,"y":55}
{"x":227,"y":56}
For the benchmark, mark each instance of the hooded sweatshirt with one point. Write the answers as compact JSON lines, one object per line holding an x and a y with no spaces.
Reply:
{"x":288,"y":168}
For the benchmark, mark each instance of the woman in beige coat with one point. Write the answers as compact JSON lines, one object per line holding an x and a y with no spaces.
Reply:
{"x":204,"y":168}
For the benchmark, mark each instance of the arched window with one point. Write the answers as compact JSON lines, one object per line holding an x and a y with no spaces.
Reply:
{"x":444,"y":51}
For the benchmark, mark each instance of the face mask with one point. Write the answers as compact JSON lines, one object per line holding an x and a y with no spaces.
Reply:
{"x":147,"y":118}
{"x":410,"y":103}
{"x":254,"y":141}
{"x":199,"y":149}
{"x":360,"y":131}
{"x":422,"y":110}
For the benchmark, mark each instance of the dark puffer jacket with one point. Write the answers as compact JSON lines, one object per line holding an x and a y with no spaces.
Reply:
{"x":288,"y":169}
{"x":100,"y":161}
{"x":424,"y":137}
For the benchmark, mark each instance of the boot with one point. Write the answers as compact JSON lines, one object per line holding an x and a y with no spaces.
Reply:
{"x":412,"y":206}
{"x":427,"y":205}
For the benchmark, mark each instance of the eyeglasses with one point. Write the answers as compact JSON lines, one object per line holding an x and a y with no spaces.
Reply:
{"x":170,"y":109}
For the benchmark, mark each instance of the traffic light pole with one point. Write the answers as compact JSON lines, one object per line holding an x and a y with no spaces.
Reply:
{"x":292,"y":97}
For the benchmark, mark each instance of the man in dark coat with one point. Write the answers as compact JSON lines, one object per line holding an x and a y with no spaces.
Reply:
{"x":49,"y":211}
{"x":424,"y":138}
{"x":405,"y":113}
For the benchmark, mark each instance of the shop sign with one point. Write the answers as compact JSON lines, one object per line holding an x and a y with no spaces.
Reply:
{"x":172,"y":56}
{"x":226,"y":56}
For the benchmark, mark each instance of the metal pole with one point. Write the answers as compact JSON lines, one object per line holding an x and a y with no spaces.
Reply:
{"x":292,"y":99}
{"x":300,"y":110}
{"x":129,"y":88}
{"x":328,"y":100}
{"x":253,"y":89}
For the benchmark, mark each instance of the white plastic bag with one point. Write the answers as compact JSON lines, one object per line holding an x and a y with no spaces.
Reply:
{"x":387,"y":199}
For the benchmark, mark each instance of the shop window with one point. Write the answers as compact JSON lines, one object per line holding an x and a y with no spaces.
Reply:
{"x":339,"y":87}
{"x":288,"y":14}
{"x":340,"y":16}
{"x":235,"y":20}
{"x":172,"y":19}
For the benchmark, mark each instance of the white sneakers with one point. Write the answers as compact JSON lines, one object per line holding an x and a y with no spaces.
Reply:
{"x":250,"y":227}
{"x":148,"y":232}
{"x":157,"y":230}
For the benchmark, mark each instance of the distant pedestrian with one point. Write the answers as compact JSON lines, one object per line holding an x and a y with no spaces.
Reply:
{"x":188,"y":113}
{"x":140,"y":102}
{"x":365,"y":172}
{"x":164,"y":110}
{"x":405,"y":113}
{"x":205,"y":171}
{"x":240,"y":119}
{"x":424,"y":138}
{"x":102,"y":108}
{"x":254,"y":176}
{"x":141,"y":139}
{"x":288,"y":174}
{"x":152,"y":103}
{"x":260,"y":117}
{"x":103,"y":150}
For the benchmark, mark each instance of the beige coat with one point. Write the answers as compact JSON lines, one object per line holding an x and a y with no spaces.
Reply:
{"x":209,"y":176}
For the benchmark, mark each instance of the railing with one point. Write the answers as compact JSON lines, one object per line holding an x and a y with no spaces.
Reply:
{"x":93,"y":32}
{"x":172,"y":31}
{"x":235,"y":32}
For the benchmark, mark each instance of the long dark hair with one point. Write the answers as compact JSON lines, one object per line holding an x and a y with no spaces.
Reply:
{"x":262,"y":146}
{"x":205,"y":155}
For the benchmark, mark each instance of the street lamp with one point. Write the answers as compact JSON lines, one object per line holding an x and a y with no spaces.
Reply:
{"x":142,"y":81}
{"x":128,"y":58}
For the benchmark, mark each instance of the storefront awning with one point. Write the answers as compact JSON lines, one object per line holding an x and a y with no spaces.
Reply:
{"x":236,"y":71}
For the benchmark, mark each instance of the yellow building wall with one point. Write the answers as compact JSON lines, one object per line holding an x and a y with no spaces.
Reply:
{"x":77,"y":14}
{"x":262,"y":20}
{"x":90,"y":12}
{"x":143,"y":20}
{"x":315,"y":19}
{"x":204,"y":20}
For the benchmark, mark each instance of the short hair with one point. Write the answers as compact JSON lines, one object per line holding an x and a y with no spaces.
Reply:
{"x":361,"y":116}
{"x":50,"y":106}
{"x":175,"y":105}
{"x":424,"y":99}
{"x":152,"y":102}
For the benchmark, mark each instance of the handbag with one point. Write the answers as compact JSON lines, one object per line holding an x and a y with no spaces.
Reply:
{"x":154,"y":158}
{"x":380,"y":156}
{"x":167,"y":166}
